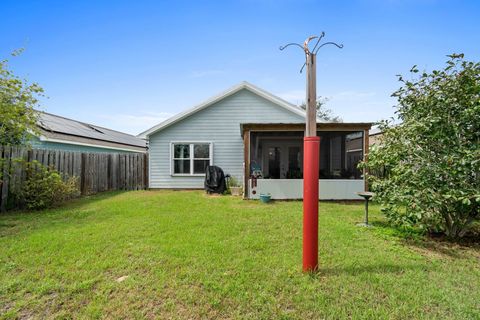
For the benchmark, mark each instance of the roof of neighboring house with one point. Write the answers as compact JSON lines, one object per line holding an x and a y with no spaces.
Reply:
{"x":375,"y":131}
{"x":60,"y":129}
{"x":243,"y":85}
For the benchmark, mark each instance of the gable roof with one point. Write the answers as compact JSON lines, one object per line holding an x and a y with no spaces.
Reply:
{"x":53,"y":126}
{"x":243,"y":85}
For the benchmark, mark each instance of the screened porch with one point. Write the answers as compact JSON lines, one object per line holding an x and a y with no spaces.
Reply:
{"x":275,"y":161}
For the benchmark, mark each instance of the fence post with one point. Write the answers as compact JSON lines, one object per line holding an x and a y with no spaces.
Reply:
{"x":5,"y":179}
{"x":147,"y":171}
{"x":83,"y":173}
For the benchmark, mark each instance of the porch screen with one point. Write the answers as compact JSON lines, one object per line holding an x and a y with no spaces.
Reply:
{"x":279,"y":155}
{"x":340,"y":153}
{"x":191,"y":158}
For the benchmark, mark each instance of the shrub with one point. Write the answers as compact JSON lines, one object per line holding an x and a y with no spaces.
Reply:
{"x":44,"y":187}
{"x":233,"y":182}
{"x":430,"y":160}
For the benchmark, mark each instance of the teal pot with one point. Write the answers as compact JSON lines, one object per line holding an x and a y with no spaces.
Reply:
{"x":265,"y":198}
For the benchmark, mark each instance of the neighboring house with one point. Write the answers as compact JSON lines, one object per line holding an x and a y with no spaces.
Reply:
{"x":258,"y":138}
{"x":59,"y":133}
{"x":375,"y":136}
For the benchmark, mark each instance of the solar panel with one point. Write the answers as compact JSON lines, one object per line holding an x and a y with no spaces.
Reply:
{"x":63,"y":125}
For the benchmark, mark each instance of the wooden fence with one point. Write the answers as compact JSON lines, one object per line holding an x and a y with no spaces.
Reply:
{"x":97,"y":172}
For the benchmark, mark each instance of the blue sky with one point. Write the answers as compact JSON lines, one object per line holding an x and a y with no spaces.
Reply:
{"x":128,"y":65}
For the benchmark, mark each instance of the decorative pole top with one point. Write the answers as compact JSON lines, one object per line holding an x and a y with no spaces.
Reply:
{"x":315,"y":49}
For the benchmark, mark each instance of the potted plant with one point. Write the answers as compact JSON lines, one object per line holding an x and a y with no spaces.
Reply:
{"x":234,"y":186}
{"x":265,"y":197}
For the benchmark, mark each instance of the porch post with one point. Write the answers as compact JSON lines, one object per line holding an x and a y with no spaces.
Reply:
{"x":311,"y":147}
{"x":366,"y":147}
{"x":246,"y":162}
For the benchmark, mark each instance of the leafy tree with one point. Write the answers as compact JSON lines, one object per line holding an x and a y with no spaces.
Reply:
{"x":323,"y":113}
{"x":18,"y":98}
{"x":430,"y":161}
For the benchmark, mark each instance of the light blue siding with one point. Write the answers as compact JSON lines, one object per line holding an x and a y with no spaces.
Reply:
{"x":219,"y":124}
{"x":48,"y":145}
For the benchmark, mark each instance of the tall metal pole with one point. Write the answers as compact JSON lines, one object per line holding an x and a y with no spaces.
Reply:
{"x":311,"y":98}
{"x":311,"y":157}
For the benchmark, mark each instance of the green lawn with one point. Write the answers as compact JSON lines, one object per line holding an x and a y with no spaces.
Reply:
{"x":188,"y":255}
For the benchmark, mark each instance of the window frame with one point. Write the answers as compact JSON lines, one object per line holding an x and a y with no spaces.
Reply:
{"x":191,"y":157}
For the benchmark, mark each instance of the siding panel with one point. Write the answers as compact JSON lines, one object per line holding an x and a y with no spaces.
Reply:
{"x":220,"y":124}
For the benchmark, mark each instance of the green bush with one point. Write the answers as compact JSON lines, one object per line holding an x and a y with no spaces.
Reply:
{"x":233,"y":182}
{"x":44,"y":187}
{"x":430,"y":159}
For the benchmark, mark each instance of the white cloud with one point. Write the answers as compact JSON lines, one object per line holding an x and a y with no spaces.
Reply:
{"x":133,"y":124}
{"x":354,"y":106}
{"x":350,"y":105}
{"x":298,"y":96}
{"x":352,"y":95}
{"x":293,"y":96}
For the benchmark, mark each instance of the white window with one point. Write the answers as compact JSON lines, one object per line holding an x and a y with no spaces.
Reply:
{"x":190,"y":158}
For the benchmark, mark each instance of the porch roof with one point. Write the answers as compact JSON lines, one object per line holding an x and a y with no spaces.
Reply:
{"x":323,"y":126}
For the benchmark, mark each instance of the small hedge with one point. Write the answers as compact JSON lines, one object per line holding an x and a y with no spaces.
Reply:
{"x":44,"y":187}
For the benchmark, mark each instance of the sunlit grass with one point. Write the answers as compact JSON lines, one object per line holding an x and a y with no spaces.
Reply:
{"x":188,"y":255}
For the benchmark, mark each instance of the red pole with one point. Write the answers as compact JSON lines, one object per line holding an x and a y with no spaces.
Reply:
{"x":311,"y":150}
{"x":311,"y":147}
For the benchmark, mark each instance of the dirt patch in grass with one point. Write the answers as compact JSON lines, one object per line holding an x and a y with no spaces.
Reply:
{"x":439,"y":247}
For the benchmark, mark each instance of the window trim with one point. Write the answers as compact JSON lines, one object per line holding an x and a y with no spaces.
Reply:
{"x":191,"y":158}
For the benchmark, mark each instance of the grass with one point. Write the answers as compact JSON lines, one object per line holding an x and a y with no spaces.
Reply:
{"x":189,"y":255}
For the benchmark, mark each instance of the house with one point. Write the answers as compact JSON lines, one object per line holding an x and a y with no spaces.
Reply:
{"x":256,"y":137}
{"x":59,"y":133}
{"x":375,"y":136}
